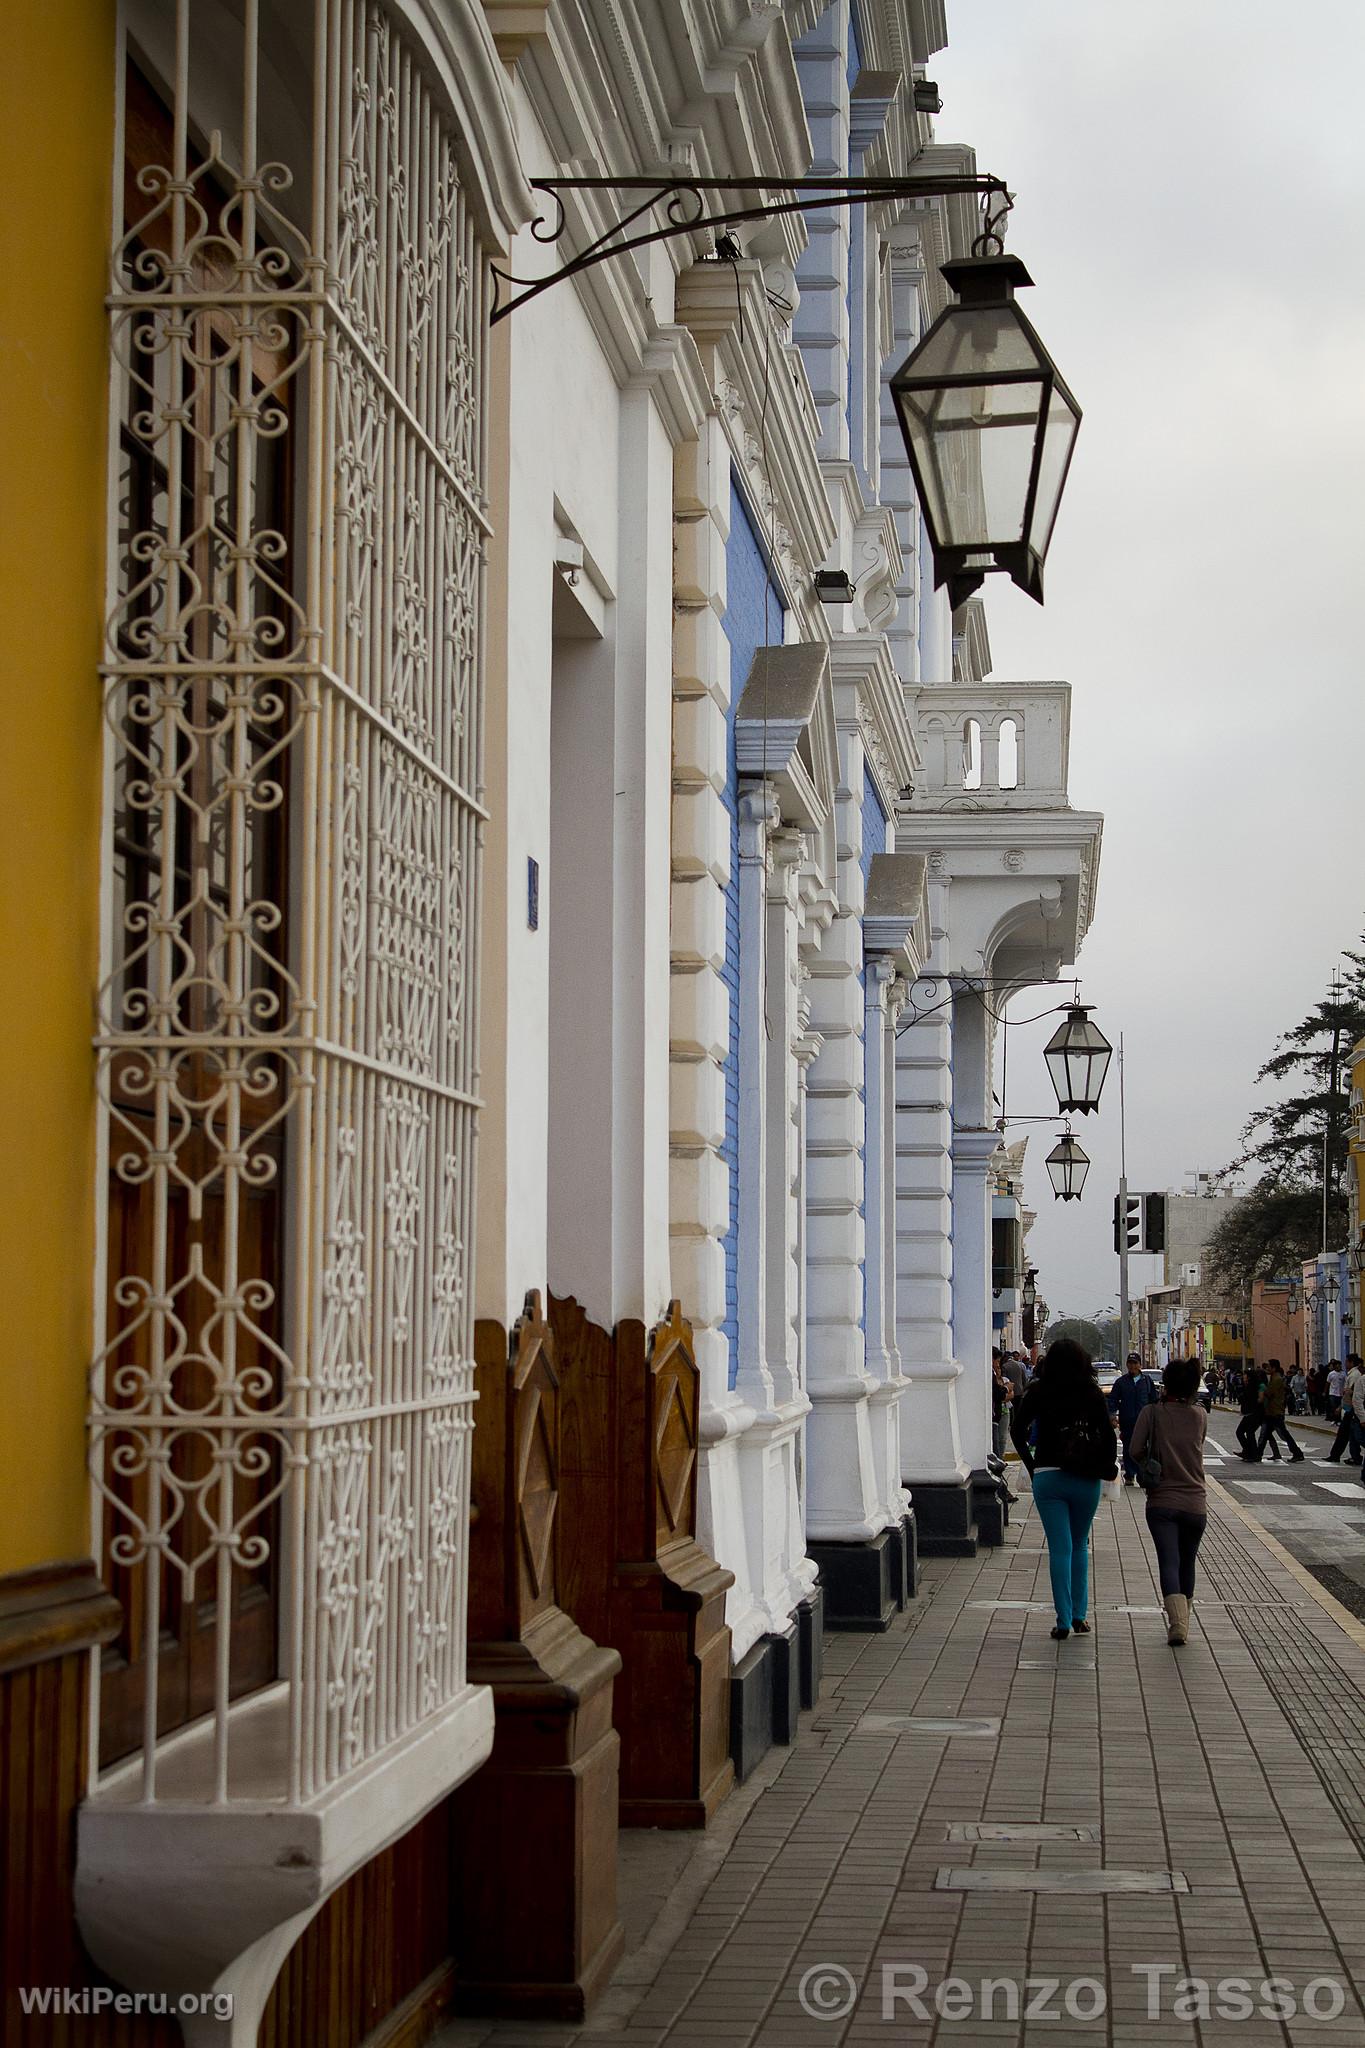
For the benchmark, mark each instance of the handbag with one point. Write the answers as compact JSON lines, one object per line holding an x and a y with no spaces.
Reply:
{"x":1148,"y":1467}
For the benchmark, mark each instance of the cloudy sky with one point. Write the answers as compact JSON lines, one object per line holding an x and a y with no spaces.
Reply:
{"x":1190,"y":180}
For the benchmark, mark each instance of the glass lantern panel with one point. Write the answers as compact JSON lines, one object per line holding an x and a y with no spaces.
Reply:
{"x":975,"y":443}
{"x":980,"y":342}
{"x":1059,"y":437}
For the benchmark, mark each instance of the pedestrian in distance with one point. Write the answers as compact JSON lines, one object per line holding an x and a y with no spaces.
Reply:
{"x":1274,"y":1401}
{"x":1168,"y":1444}
{"x":1016,"y":1373}
{"x":1298,"y":1391}
{"x":1128,"y":1396}
{"x":1000,"y":1401}
{"x":1253,"y":1415}
{"x":1336,"y":1381}
{"x":1072,"y":1453}
{"x":1350,"y":1436}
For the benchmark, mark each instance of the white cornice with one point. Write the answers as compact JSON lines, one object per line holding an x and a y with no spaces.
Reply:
{"x":784,"y":730}
{"x":1021,"y":891}
{"x":672,"y":370}
{"x":896,"y":910}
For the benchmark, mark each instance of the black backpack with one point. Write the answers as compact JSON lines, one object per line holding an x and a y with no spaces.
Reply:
{"x":1085,"y":1445}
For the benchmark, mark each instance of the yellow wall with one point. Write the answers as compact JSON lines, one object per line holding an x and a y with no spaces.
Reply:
{"x":56,"y":152}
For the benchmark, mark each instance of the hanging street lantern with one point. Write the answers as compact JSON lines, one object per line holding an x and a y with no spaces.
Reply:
{"x":989,"y":427}
{"x":1078,"y":1056}
{"x":1332,"y":1288}
{"x":1291,"y":1299}
{"x":1067,"y":1168}
{"x":1028,"y":1295}
{"x":1357,"y":1255}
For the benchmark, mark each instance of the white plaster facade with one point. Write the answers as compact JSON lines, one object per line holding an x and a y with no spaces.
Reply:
{"x":833,"y":1251}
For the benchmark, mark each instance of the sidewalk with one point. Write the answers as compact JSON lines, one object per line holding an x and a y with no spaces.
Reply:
{"x":845,"y":1878}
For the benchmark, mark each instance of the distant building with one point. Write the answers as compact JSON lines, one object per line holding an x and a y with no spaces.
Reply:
{"x":1191,"y":1221}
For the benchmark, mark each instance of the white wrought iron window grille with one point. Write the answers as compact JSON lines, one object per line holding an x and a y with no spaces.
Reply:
{"x":281,"y":1398}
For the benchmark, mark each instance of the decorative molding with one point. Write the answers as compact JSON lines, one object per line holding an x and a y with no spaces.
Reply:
{"x":869,"y":698}
{"x":880,"y":562}
{"x":896,"y":912}
{"x":767,"y":411}
{"x":784,"y":730}
{"x":459,"y":47}
{"x":52,"y":1610}
{"x":871,"y":102}
{"x":517,"y":24}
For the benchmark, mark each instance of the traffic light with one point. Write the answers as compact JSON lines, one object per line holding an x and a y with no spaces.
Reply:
{"x":1128,"y":1231}
{"x":1154,"y":1223}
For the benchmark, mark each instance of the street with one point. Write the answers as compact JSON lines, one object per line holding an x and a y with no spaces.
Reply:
{"x":1316,"y":1509}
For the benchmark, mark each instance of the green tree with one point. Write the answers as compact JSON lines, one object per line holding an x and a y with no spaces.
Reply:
{"x":1299,"y":1142}
{"x":1080,"y":1330}
{"x":1272,"y":1230}
{"x":1291,"y":1138}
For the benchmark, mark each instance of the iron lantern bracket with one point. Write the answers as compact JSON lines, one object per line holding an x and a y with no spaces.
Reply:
{"x":688,"y":209}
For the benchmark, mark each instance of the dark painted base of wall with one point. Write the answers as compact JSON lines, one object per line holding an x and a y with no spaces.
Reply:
{"x":905,"y":1561}
{"x":770,"y":1687}
{"x":990,"y":1508}
{"x":810,"y":1631}
{"x":861,"y":1581}
{"x":946,"y":1519}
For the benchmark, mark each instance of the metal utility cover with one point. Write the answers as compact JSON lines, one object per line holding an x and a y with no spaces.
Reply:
{"x":925,"y":1724}
{"x":1074,"y":1882}
{"x":1016,"y":1606}
{"x":1139,"y":1610}
{"x":1061,"y":1664}
{"x":1017,"y":1831}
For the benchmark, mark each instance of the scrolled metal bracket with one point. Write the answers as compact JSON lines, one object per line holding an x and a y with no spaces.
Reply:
{"x":687,"y":209}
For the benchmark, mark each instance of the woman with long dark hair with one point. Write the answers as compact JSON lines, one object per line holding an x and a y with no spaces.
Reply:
{"x":1170,"y":1436}
{"x":1072,"y":1453}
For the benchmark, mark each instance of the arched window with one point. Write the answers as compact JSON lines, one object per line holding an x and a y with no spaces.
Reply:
{"x":282,"y":1394}
{"x":971,"y":754}
{"x":1009,"y":753}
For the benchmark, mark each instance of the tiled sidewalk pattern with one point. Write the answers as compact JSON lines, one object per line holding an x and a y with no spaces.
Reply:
{"x":835,"y":1863}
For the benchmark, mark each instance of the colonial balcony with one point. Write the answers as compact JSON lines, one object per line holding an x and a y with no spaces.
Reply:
{"x":996,"y":746}
{"x":992,"y":816}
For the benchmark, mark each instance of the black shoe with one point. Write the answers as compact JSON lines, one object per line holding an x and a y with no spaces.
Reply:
{"x":1297,"y":1458}
{"x":1080,"y":1628}
{"x":1058,"y":1634}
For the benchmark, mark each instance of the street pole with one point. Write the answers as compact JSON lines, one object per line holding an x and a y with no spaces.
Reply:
{"x":1123,"y":1215}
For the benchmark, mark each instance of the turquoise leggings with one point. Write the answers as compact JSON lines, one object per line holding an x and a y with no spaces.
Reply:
{"x":1066,"y":1508}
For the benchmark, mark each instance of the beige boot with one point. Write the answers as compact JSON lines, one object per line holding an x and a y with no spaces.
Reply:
{"x":1178,"y":1620}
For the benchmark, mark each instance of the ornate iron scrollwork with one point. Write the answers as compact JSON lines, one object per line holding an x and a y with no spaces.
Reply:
{"x":687,"y":210}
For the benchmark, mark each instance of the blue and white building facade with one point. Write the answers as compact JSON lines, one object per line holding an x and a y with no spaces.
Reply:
{"x":799,"y":852}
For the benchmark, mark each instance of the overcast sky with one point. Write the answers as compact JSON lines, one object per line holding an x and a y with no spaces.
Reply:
{"x":1190,"y":181}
